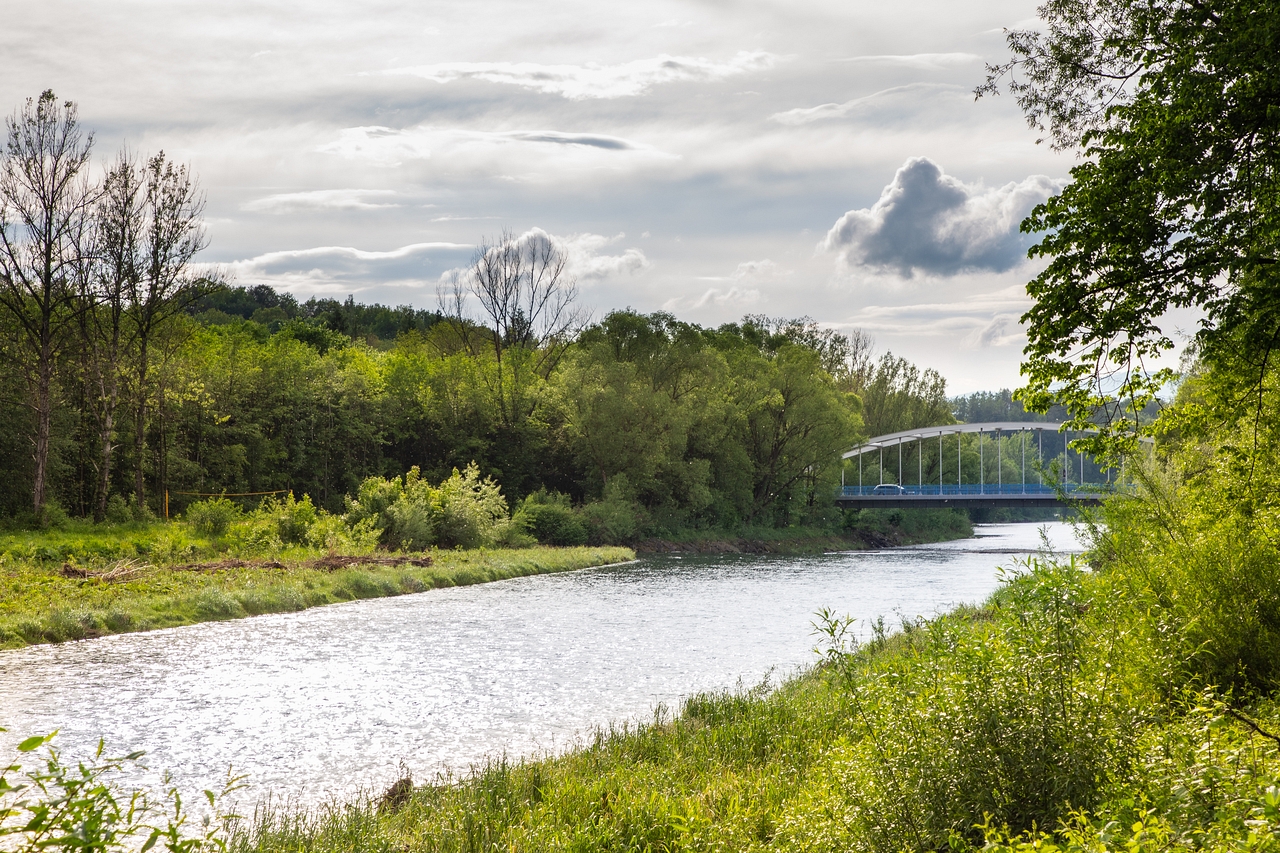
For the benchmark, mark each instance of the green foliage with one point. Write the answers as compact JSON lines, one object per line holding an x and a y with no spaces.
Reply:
{"x":615,"y":519}
{"x":64,"y":807}
{"x":212,"y":517}
{"x":465,"y":511}
{"x":550,"y":518}
{"x":1173,"y":204}
{"x":1010,"y":718}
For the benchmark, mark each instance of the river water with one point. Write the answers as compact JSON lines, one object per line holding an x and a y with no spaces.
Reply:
{"x":319,"y":704}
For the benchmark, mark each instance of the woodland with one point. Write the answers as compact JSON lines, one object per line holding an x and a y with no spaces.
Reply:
{"x":140,"y":383}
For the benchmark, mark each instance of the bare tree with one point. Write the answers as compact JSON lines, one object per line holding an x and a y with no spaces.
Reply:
{"x":46,"y":202}
{"x":526,"y":300}
{"x":115,"y":272}
{"x":172,"y":235}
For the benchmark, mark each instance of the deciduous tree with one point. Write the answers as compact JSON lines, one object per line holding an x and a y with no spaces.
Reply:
{"x":1173,"y":108}
{"x":46,"y":202}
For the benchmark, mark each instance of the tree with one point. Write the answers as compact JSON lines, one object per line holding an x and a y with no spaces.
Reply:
{"x":796,"y":423}
{"x":46,"y":201}
{"x":119,"y":220}
{"x":526,"y":298}
{"x":1172,"y":105}
{"x":172,"y":235}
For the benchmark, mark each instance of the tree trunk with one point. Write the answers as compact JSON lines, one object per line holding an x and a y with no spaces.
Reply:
{"x":140,"y":426}
{"x":44,"y":417}
{"x":104,"y":467}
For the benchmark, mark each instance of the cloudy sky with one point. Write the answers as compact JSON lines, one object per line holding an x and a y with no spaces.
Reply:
{"x":811,"y":157}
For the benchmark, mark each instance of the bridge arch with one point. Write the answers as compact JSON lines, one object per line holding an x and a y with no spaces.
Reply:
{"x":901,"y":492}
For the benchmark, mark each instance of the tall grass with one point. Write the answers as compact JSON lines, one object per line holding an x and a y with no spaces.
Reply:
{"x":1015,"y":724}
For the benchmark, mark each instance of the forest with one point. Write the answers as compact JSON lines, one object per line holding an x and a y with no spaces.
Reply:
{"x":141,"y":383}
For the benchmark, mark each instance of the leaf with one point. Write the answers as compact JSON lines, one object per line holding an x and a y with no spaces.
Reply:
{"x":33,"y":742}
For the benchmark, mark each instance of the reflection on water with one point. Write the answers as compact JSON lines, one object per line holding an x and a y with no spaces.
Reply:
{"x":316,"y":704}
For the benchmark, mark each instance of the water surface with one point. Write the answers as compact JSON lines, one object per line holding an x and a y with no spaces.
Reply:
{"x":317,"y":704}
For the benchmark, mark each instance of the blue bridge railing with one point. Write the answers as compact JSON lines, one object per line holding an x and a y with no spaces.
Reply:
{"x":1012,"y":489}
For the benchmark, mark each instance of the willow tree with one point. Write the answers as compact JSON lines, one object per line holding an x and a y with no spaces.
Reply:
{"x":46,"y":203}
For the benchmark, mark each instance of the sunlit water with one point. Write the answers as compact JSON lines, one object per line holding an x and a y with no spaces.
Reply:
{"x":318,"y":704}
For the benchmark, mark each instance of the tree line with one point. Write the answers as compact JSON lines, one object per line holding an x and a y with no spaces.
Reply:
{"x":139,"y":385}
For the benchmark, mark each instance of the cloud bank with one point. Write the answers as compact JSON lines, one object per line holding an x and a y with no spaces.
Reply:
{"x":344,"y":199}
{"x":927,"y":221}
{"x":580,"y":82}
{"x":345,"y":269}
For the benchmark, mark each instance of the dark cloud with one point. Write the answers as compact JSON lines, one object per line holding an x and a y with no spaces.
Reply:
{"x":927,"y":221}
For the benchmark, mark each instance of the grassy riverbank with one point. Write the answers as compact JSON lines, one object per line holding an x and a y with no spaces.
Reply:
{"x":1036,"y":710}
{"x":871,"y":528}
{"x":89,"y":581}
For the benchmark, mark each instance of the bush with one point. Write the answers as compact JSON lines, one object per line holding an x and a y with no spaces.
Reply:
{"x":119,"y":510}
{"x":293,"y":518}
{"x":616,"y":518}
{"x":212,"y":517}
{"x":1010,"y":721}
{"x":550,"y":519}
{"x":465,"y":511}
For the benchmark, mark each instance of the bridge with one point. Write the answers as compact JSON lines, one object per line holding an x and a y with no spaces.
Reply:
{"x":998,"y":451}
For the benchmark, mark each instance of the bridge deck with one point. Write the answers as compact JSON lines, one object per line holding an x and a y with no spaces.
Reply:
{"x":988,"y":495}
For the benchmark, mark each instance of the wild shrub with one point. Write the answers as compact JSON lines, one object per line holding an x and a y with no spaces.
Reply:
{"x":469,"y":509}
{"x":465,"y":511}
{"x":550,"y":518}
{"x":212,"y":517}
{"x":1011,"y":718}
{"x":119,"y":510}
{"x":614,"y":520}
{"x":59,"y":805}
{"x":1196,"y":552}
{"x":293,"y":518}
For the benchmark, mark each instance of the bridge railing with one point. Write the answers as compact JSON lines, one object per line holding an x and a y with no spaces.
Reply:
{"x":975,"y":489}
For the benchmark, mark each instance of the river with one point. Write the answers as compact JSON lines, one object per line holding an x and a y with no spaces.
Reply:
{"x":320,"y":704}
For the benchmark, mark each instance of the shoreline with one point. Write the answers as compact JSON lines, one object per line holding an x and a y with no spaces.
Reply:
{"x":63,"y":606}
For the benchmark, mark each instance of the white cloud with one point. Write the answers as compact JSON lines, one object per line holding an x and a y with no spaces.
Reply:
{"x":1003,"y":330}
{"x":346,"y":199}
{"x":587,"y":262}
{"x":926,"y":221}
{"x":738,"y":293}
{"x":346,"y":269}
{"x":585,"y":258}
{"x":918,"y":60}
{"x":578,"y":82}
{"x":879,"y":106}
{"x":383,"y":146}
{"x":730,"y":296}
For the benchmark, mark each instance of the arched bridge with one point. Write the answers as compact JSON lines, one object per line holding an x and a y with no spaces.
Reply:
{"x":999,"y":464}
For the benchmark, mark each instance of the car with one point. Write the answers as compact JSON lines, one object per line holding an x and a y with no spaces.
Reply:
{"x":888,"y":489}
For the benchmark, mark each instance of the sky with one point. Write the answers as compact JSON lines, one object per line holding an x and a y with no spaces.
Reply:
{"x":711,"y":159}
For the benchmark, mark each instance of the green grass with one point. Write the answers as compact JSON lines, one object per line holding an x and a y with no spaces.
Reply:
{"x":40,"y":604}
{"x":874,"y":528}
{"x":988,"y":725}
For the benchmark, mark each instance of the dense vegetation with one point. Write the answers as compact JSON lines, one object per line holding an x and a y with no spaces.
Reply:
{"x":1126,"y":704}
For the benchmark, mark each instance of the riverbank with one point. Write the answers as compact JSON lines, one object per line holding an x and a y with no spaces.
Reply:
{"x":980,"y":727}
{"x":869,"y":529}
{"x":61,"y":597}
